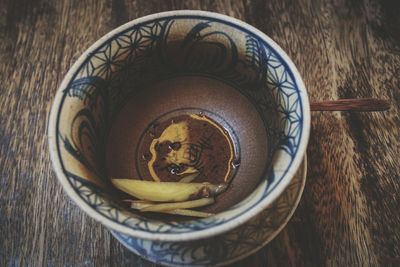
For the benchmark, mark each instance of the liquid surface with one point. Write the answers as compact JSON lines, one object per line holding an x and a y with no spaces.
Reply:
{"x":184,"y":95}
{"x":187,"y":148}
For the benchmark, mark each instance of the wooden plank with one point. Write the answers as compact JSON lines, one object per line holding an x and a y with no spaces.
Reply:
{"x":349,"y":213}
{"x":40,"y":226}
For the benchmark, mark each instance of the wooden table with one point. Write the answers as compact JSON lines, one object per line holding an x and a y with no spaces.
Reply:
{"x":349,"y":214}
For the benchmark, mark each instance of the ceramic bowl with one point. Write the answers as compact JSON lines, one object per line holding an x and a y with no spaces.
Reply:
{"x":172,"y":63}
{"x":228,"y":247}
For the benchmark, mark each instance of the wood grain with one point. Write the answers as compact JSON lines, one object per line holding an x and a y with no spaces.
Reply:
{"x":349,"y":214}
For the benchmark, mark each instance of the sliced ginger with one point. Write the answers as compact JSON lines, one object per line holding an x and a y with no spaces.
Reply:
{"x":151,"y":206}
{"x":175,"y":208}
{"x":189,"y":213}
{"x":177,"y":197}
{"x":167,"y":191}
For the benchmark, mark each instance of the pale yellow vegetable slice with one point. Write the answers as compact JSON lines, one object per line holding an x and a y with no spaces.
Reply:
{"x":141,"y":205}
{"x":137,"y":205}
{"x":184,"y":212}
{"x":167,"y":191}
{"x":178,"y":205}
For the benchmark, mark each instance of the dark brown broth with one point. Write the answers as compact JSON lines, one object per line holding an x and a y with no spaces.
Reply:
{"x":187,"y":145}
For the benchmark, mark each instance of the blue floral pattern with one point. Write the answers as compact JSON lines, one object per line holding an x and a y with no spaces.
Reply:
{"x":130,"y":57}
{"x":228,"y":247}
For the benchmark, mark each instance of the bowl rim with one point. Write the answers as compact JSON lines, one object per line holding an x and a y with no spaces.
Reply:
{"x":196,"y":234}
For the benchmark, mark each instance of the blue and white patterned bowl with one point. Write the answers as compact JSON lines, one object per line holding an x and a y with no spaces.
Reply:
{"x":91,"y":93}
{"x":228,"y":247}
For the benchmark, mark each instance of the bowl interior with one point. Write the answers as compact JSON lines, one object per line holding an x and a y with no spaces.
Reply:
{"x":192,"y":95}
{"x":176,"y":65}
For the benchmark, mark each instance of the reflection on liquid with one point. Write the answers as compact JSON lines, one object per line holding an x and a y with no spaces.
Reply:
{"x":189,"y":145}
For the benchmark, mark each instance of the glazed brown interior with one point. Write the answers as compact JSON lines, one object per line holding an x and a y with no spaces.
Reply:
{"x":181,"y":78}
{"x":191,"y":94}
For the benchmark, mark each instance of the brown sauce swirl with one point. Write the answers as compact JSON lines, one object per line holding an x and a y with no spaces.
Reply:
{"x":191,"y":148}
